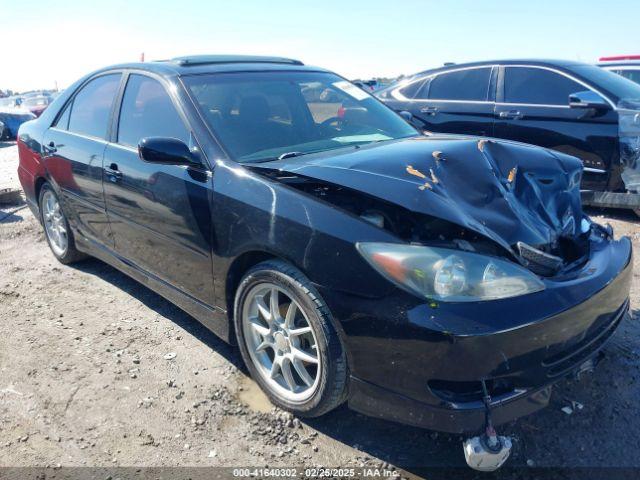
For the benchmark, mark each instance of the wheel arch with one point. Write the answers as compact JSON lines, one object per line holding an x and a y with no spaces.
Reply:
{"x":39,"y":182}
{"x":37,"y":188}
{"x":241,"y":265}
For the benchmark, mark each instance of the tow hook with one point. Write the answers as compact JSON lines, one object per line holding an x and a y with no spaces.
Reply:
{"x":489,"y":451}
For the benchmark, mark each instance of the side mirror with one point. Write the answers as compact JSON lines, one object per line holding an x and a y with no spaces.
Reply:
{"x":588,"y":99}
{"x":166,"y":151}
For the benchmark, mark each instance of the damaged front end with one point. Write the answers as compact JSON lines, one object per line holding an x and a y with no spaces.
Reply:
{"x":481,"y":196}
{"x":505,"y":285}
{"x":629,"y":127}
{"x":624,"y":185}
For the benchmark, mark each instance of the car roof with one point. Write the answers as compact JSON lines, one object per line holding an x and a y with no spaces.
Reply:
{"x":513,"y":61}
{"x":199,"y":64}
{"x":620,"y":63}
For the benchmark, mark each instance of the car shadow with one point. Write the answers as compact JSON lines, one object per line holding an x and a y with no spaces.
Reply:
{"x":9,"y":212}
{"x":549,"y":438}
{"x":161,"y":306}
{"x":403,"y":446}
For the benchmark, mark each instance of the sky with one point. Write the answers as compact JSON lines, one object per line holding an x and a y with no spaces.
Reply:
{"x":48,"y":43}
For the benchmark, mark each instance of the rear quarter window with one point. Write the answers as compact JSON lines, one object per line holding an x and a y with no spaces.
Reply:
{"x":416,"y":90}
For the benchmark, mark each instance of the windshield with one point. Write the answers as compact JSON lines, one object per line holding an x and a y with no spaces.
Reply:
{"x":261,"y":116}
{"x":616,"y":85}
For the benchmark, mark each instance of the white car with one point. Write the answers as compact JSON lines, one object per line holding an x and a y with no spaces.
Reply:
{"x":626,"y":65}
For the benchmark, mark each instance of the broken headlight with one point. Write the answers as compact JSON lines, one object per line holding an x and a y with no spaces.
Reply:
{"x":449,"y":275}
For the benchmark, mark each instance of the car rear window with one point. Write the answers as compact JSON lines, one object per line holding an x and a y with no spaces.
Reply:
{"x":470,"y":84}
{"x":538,"y":86}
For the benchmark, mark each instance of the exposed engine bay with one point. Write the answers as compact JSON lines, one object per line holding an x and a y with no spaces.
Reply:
{"x":420,"y":229}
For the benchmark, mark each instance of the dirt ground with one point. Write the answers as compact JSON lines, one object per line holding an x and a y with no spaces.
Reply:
{"x":97,"y":370}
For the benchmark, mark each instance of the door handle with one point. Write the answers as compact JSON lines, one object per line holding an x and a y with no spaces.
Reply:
{"x":429,"y":110}
{"x":50,"y":148}
{"x":113,"y":173}
{"x":511,"y":114}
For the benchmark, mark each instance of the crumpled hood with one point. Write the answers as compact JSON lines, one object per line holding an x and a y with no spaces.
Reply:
{"x":506,"y":191}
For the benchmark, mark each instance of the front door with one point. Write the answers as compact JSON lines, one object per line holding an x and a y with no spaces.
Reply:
{"x":160,"y":214}
{"x":533,"y":107}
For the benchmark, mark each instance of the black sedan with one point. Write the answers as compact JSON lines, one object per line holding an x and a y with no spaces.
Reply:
{"x":430,"y":280}
{"x":571,"y":107}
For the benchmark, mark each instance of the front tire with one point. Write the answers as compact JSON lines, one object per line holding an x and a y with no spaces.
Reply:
{"x":288,"y":341}
{"x":56,"y":227}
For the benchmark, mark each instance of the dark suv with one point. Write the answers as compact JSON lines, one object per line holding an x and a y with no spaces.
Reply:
{"x":575,"y":108}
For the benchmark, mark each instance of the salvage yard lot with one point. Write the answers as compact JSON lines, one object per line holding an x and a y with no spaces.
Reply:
{"x":95,"y":369}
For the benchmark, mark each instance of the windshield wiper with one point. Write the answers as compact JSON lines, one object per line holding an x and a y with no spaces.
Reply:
{"x":290,"y":155}
{"x":286,"y":155}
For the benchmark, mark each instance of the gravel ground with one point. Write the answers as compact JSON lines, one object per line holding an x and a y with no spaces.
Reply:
{"x":97,"y":370}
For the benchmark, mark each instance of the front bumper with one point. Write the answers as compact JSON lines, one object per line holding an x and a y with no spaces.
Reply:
{"x":422,"y":364}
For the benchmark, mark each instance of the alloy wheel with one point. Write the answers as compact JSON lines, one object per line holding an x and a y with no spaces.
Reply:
{"x":55,"y":225}
{"x":281,"y":342}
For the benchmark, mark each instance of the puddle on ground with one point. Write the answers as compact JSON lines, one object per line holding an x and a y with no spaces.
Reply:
{"x":251,"y":395}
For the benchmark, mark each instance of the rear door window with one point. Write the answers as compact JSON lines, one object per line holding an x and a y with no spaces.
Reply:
{"x":538,"y":86}
{"x":91,"y":108}
{"x":147,"y":111}
{"x":470,"y":85}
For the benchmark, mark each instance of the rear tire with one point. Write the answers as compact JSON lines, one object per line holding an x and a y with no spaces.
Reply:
{"x":294,"y":354}
{"x":56,"y":227}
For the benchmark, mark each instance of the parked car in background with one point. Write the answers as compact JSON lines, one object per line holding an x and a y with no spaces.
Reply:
{"x":626,"y":65}
{"x":367,"y":85}
{"x":12,"y":118}
{"x":36,"y":104}
{"x":10,"y":102}
{"x":372,"y":85}
{"x":570,"y":107}
{"x":438,"y":281}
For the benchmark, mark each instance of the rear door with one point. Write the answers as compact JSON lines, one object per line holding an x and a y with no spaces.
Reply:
{"x":160,"y":214}
{"x":533,"y":107}
{"x":455,"y":101}
{"x":74,"y":148}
